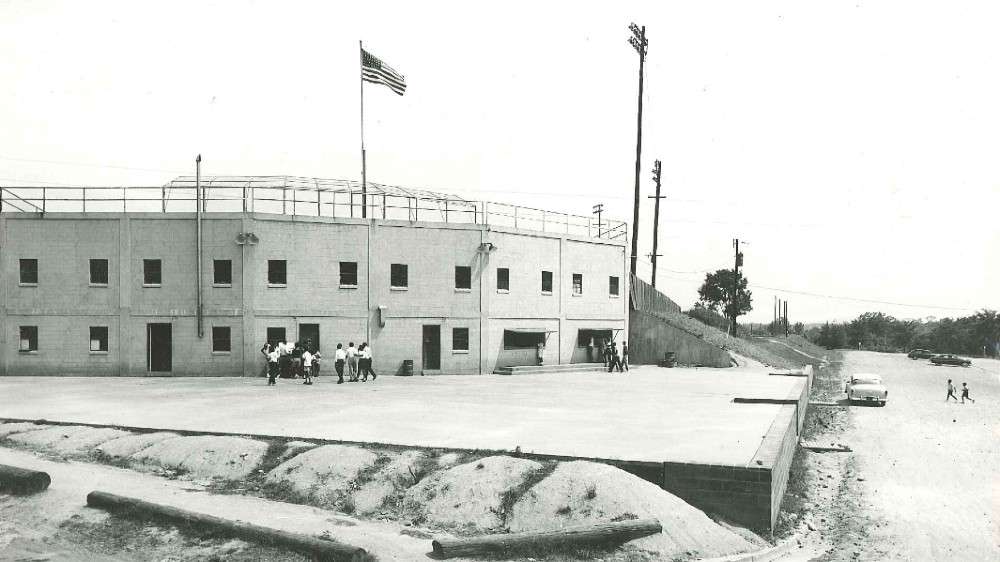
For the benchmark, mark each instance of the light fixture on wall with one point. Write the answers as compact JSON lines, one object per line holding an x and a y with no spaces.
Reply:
{"x":247,"y":238}
{"x":488,"y":247}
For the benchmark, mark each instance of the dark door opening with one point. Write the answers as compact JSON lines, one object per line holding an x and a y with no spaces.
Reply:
{"x":159,"y":347}
{"x":309,"y":336}
{"x":432,"y":348}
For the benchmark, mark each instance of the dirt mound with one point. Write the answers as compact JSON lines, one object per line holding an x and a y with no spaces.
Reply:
{"x":11,"y":428}
{"x":85,"y":441}
{"x":391,"y":479}
{"x":206,"y":456}
{"x":323,"y":473}
{"x":582,"y":492}
{"x":130,"y":444}
{"x":474,"y":496}
{"x":49,"y":436}
{"x":293,"y":448}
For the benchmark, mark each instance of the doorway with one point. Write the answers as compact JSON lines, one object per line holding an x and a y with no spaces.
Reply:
{"x":310,"y":333}
{"x":432,"y":348}
{"x":159,"y":347}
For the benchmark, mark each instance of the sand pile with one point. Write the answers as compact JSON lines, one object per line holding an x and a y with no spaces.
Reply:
{"x":48,"y":437}
{"x":206,"y":456}
{"x":11,"y":428}
{"x":582,"y":492}
{"x":389,"y":482}
{"x":131,"y":444}
{"x":80,"y":441}
{"x":472,"y":496}
{"x":323,"y":473}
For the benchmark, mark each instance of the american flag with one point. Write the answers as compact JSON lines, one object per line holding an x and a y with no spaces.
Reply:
{"x":377,"y":72}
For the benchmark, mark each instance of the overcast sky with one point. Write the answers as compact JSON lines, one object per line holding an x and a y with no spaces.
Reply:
{"x":852,"y":145}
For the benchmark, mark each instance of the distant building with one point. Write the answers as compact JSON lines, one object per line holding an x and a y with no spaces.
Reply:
{"x":103,"y":281}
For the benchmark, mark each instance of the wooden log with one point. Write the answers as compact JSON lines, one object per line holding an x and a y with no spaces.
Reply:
{"x":319,"y":549}
{"x":577,"y":535}
{"x":22,"y":480}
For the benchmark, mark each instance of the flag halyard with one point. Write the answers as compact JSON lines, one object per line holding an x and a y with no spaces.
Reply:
{"x":377,"y":72}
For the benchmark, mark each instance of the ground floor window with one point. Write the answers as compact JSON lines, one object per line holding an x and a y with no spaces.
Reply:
{"x":29,"y":339}
{"x":516,"y":339}
{"x":221,"y":338}
{"x":275,"y":335}
{"x":99,"y":338}
{"x":460,"y":339}
{"x":592,"y":337}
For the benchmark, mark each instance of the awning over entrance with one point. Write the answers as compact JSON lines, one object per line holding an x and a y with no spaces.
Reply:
{"x":530,"y":330}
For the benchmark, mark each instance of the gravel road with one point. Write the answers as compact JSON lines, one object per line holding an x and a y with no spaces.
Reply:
{"x":926,"y":473}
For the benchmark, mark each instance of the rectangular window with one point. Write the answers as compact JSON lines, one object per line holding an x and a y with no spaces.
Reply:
{"x":577,"y":283}
{"x":152,"y":273}
{"x":29,"y":339}
{"x":513,"y":339}
{"x":613,"y":288}
{"x":277,"y":272}
{"x":222,"y":272}
{"x":274,"y":335}
{"x":547,"y":282}
{"x":99,"y":338}
{"x":503,"y":279}
{"x":463,"y":277}
{"x":29,"y":272}
{"x":348,"y":274}
{"x":399,"y":277}
{"x":460,"y":339}
{"x":98,"y":272}
{"x":221,"y":338}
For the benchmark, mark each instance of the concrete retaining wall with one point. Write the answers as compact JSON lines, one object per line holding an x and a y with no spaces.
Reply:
{"x":650,"y":337}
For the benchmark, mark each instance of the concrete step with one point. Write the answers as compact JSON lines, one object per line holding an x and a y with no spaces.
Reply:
{"x":542,"y":369}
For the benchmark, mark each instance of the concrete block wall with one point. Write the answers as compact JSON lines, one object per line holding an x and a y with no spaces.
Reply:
{"x":739,"y":493}
{"x":651,"y":337}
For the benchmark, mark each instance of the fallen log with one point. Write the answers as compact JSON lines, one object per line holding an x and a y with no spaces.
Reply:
{"x":319,"y":549}
{"x":22,"y":480}
{"x":578,"y":535}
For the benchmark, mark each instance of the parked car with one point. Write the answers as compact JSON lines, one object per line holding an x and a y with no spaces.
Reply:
{"x":866,"y":387}
{"x":950,"y":359}
{"x":920,"y":354}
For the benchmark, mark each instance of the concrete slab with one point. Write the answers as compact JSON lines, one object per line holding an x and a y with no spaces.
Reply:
{"x":650,"y":414}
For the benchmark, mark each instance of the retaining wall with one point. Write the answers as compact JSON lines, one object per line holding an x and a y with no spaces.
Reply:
{"x":651,"y":337}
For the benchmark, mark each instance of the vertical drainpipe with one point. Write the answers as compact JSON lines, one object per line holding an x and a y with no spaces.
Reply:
{"x":368,"y":281}
{"x":197,"y":200}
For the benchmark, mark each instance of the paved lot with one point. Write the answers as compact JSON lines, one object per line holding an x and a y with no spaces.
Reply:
{"x":931,"y":469}
{"x":650,"y":414}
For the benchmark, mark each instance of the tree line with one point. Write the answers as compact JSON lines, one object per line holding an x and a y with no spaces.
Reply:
{"x":977,"y":335}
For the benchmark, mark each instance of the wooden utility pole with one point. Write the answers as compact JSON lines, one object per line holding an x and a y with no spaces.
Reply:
{"x":656,"y":218}
{"x":736,"y":282}
{"x":639,"y":43}
{"x":786,"y":319}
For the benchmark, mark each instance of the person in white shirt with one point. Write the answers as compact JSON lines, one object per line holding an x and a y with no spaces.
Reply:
{"x":365,"y":363}
{"x":307,"y":363}
{"x":339,"y":357}
{"x":272,"y":366}
{"x":284,"y":359}
{"x":352,"y":363}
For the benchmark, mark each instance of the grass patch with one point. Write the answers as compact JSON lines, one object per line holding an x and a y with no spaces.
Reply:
{"x":510,"y":496}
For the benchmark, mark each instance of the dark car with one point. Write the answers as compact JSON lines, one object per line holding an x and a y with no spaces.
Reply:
{"x":920,"y":354}
{"x":949,"y":359}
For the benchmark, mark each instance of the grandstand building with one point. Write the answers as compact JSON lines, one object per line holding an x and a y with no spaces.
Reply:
{"x":105,"y":281}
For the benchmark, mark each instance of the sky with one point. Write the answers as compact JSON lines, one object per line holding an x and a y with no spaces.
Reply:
{"x":850,"y":146}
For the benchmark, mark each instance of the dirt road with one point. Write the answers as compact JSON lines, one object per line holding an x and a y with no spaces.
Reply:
{"x":926,"y":473}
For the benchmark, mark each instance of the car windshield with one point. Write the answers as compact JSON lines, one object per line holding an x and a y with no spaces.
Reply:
{"x":867,"y":379}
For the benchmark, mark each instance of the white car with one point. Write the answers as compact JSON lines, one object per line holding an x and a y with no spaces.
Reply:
{"x":865,"y":387}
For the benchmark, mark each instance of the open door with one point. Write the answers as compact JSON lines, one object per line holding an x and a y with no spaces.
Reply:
{"x":309,"y":333}
{"x":432,"y":348}
{"x":159,"y":347}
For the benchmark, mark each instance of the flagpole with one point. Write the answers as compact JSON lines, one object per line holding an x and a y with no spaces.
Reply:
{"x":364,"y":171}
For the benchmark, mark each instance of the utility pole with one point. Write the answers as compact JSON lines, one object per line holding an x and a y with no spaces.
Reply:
{"x":736,"y":282}
{"x":656,"y":217}
{"x":598,"y":209}
{"x":774,"y":324}
{"x":639,"y":43}
{"x":198,"y":200}
{"x":786,"y":319}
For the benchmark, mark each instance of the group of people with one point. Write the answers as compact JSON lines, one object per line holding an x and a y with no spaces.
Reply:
{"x":301,"y":360}
{"x":609,"y":353}
{"x":965,"y":393}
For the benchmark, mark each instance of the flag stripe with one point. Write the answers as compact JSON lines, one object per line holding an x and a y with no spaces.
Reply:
{"x":375,"y":71}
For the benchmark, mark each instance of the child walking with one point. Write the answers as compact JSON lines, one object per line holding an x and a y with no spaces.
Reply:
{"x":951,"y":392}
{"x":339,"y":357}
{"x":965,"y":394}
{"x":307,"y":366}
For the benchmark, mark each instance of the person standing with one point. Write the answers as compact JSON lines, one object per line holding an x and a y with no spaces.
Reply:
{"x":965,"y":394}
{"x":951,"y":392}
{"x":624,"y":361}
{"x":590,"y":350}
{"x":607,"y":354}
{"x":366,"y":362}
{"x":297,"y":360}
{"x":307,"y":359}
{"x":266,"y":352}
{"x":352,"y":363}
{"x":339,"y":357}
{"x":615,"y":360}
{"x":284,"y":359}
{"x":272,"y":366}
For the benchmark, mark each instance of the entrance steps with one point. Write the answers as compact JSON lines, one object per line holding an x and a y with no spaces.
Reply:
{"x":542,"y":369}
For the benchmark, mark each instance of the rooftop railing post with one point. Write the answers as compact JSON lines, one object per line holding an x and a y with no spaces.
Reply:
{"x":295,"y":198}
{"x":486,"y":212}
{"x":385,"y":205}
{"x":416,"y":209}
{"x":567,"y":223}
{"x":244,"y":198}
{"x":85,"y":200}
{"x":352,"y":204}
{"x":445,"y":210}
{"x":544,"y":215}
{"x":284,"y":200}
{"x":163,"y":199}
{"x":43,"y":200}
{"x":515,"y":217}
{"x":333,"y":205}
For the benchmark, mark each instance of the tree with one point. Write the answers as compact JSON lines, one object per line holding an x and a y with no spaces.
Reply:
{"x":799,"y":328}
{"x":716,"y":294}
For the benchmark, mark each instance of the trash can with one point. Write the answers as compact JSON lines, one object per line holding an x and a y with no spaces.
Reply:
{"x":407,"y":370}
{"x":669,"y":359}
